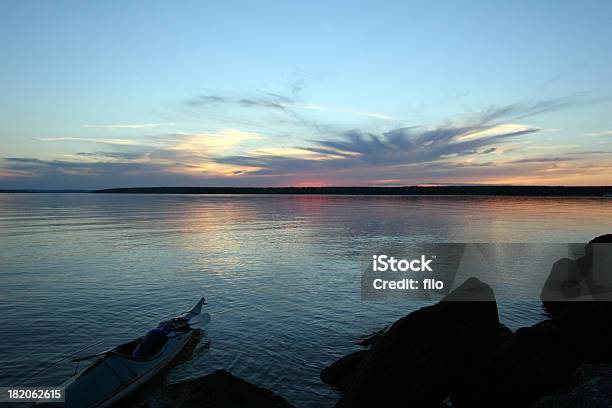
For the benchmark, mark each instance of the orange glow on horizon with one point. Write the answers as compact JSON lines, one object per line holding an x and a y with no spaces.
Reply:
{"x":312,"y":183}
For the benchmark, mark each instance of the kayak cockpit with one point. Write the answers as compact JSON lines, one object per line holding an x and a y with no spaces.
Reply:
{"x":127,"y":349}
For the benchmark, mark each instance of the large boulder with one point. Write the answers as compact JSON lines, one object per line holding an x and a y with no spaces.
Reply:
{"x":565,"y":283}
{"x":340,"y":374}
{"x":588,"y":278}
{"x":217,"y":390}
{"x":537,"y":360}
{"x":419,"y":358}
{"x":591,"y":388}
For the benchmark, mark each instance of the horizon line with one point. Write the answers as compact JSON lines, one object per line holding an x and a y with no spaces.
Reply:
{"x":478,"y":189}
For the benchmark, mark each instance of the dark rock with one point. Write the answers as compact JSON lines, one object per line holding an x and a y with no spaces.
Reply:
{"x":591,"y":388}
{"x":586,"y":278}
{"x":217,"y":390}
{"x":537,"y":360}
{"x":416,"y":362}
{"x":341,"y":373}
{"x":566,"y":280}
{"x":503,"y":333}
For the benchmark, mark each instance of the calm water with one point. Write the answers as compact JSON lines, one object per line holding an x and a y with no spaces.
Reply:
{"x":281,"y":273}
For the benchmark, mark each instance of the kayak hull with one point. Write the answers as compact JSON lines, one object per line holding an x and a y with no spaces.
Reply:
{"x":113,"y":376}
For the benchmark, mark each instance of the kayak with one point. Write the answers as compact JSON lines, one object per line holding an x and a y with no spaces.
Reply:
{"x":118,"y":372}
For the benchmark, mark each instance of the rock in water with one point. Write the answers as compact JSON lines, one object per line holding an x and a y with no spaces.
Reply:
{"x":586,"y":278}
{"x":567,"y":280}
{"x":341,"y":373}
{"x":591,"y":388}
{"x":217,"y":390}
{"x":416,"y":362}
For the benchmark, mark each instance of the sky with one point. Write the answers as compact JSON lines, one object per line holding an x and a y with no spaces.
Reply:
{"x":121,"y":94}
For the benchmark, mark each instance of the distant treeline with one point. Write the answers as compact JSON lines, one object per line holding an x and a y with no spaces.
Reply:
{"x":410,"y":190}
{"x":42,"y":191}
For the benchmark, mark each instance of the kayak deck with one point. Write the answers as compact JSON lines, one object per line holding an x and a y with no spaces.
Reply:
{"x":116,"y":373}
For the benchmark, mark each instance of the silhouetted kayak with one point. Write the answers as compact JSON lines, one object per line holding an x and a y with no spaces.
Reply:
{"x":118,"y":372}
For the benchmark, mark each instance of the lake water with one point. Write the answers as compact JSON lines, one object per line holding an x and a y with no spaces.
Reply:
{"x":281,"y":273}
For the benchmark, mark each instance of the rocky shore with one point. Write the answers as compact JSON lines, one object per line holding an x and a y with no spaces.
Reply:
{"x":457,"y":354}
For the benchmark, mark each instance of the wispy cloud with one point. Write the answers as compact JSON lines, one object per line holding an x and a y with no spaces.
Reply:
{"x":203,"y":100}
{"x":180,"y":153}
{"x":602,"y":133}
{"x":274,"y":101}
{"x":529,"y":108}
{"x":398,"y":147}
{"x":118,"y":142}
{"x":343,"y":110}
{"x":543,"y":160}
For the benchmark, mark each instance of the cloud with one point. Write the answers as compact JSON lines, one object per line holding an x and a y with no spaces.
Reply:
{"x":602,"y":133}
{"x":268,"y":101}
{"x":188,"y":154}
{"x":343,"y":110}
{"x":486,"y":131}
{"x":21,"y":163}
{"x":202,"y":100}
{"x":202,"y":143}
{"x":530,"y":108}
{"x":207,"y":143}
{"x":360,"y":113}
{"x":296,"y":152}
{"x":118,"y":142}
{"x":399,"y":147}
{"x":258,"y":100}
{"x":458,"y":165}
{"x":110,"y":155}
{"x":185,"y":154}
{"x":543,"y":160}
{"x":274,"y":101}
{"x":12,"y":174}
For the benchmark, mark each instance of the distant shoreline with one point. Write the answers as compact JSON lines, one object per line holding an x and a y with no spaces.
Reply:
{"x":395,"y":191}
{"x":535,"y":191}
{"x":35,"y":190}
